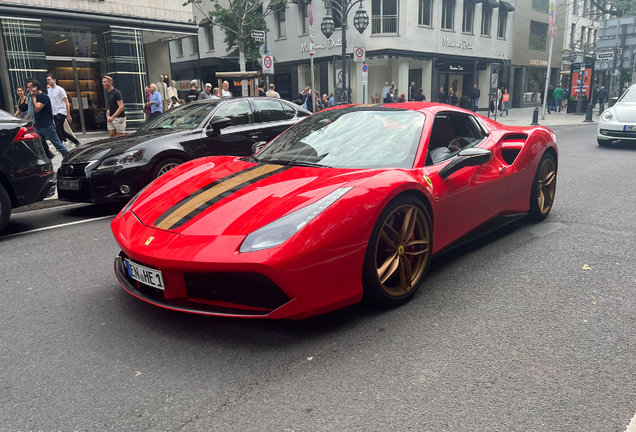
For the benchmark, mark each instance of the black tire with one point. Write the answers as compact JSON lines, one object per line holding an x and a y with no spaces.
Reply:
{"x":543,"y":188}
{"x":5,"y":208}
{"x":604,"y":142}
{"x":380,"y":255}
{"x":164,"y":166}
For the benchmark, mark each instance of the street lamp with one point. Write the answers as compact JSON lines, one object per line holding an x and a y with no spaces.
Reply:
{"x":360,"y":22}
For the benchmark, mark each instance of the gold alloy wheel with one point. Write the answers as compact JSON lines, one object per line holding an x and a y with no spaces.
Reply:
{"x":402,"y":250}
{"x":547,"y":186}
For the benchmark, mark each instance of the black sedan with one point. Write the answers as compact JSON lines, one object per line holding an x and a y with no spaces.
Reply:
{"x":114,"y":170}
{"x":26,"y":174}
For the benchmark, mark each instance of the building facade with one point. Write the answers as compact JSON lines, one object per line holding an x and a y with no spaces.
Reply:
{"x":424,"y":44}
{"x":81,"y":41}
{"x":531,"y":51}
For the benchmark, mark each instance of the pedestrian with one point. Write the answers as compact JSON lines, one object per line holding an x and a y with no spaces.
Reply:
{"x":602,"y":94}
{"x":558,"y":98}
{"x":319,"y":104}
{"x":115,"y":102}
{"x":402,"y":98}
{"x":505,"y":100}
{"x":272,"y":92}
{"x":261,"y":89}
{"x":302,"y":96}
{"x":226,"y":90}
{"x":419,"y":97}
{"x":61,"y":108}
{"x":43,"y":114}
{"x":146,"y":106}
{"x":441,"y":97}
{"x":475,"y":98}
{"x":31,"y":109}
{"x":452,"y":96}
{"x":623,"y":90}
{"x":174,"y":102}
{"x":22,"y":110}
{"x":215,"y":93}
{"x":193,"y":94}
{"x":594,"y":95}
{"x":154,"y":102}
{"x":206,"y":93}
{"x":325,"y":101}
{"x":551,"y":99}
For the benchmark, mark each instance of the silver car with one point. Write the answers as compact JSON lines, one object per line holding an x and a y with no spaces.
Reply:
{"x":619,"y":121}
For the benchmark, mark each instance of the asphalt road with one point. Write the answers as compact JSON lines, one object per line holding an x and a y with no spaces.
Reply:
{"x":529,"y":329}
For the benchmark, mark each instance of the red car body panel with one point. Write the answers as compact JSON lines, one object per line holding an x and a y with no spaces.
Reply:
{"x":320,"y":267}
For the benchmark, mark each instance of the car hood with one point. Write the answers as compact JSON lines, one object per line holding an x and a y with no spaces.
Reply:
{"x":114,"y":146}
{"x":625,"y":111}
{"x":231,"y":196}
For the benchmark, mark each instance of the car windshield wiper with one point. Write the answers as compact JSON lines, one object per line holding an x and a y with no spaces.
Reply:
{"x":294,"y":163}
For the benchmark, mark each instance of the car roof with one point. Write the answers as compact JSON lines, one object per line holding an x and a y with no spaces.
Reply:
{"x":218,"y":101}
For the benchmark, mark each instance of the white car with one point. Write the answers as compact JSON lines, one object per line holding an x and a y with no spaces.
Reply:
{"x":619,"y":121}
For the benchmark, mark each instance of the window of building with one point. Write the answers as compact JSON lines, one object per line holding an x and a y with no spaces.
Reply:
{"x":448,"y":14}
{"x":595,"y":36}
{"x":486,"y":19}
{"x":541,"y":6}
{"x":194,"y":45}
{"x":304,"y":18}
{"x":586,"y":8}
{"x":425,"y":13}
{"x":582,"y":40}
{"x":501,"y":23}
{"x":384,"y":16}
{"x":281,"y":23}
{"x":575,"y":7}
{"x":179,"y":47}
{"x":538,"y":36}
{"x":468,"y":16}
{"x":209,"y":36}
{"x":573,"y":34}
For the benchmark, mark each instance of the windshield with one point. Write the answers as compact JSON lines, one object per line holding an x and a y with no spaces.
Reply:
{"x":184,"y":117}
{"x":629,"y":96}
{"x":354,"y":137}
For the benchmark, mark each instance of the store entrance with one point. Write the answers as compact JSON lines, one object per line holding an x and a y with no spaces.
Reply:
{"x":81,"y":78}
{"x":459,"y":82}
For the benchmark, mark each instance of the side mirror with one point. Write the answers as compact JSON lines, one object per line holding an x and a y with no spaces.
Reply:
{"x":258,"y":146}
{"x":468,"y":157}
{"x":216,"y":124}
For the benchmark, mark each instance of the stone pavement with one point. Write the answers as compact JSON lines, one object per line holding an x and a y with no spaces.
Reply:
{"x":523,"y":117}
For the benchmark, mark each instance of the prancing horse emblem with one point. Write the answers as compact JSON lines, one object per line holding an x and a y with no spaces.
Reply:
{"x":151,"y":238}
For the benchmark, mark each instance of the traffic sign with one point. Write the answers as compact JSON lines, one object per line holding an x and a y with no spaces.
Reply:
{"x":365,"y":68}
{"x":359,"y":53}
{"x":258,"y":35}
{"x":268,"y":65}
{"x":365,"y":78}
{"x":264,"y":50}
{"x":310,"y":14}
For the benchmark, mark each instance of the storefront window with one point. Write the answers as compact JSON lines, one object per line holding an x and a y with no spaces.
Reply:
{"x":535,"y":82}
{"x":70,"y":43}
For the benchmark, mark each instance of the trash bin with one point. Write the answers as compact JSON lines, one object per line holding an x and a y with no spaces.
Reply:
{"x":612,"y":101}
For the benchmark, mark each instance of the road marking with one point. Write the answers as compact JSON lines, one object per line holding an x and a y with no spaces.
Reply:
{"x":56,"y":226}
{"x":631,"y":427}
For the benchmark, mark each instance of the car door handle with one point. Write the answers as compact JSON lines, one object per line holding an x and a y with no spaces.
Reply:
{"x":255,"y":136}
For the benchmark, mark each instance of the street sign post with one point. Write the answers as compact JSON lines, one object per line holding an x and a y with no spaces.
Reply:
{"x":312,"y":51}
{"x":494,"y":84}
{"x":359,"y":54}
{"x":365,"y":80}
{"x":268,"y":64}
{"x":258,"y":35}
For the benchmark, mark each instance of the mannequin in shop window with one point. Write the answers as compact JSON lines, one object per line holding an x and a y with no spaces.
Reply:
{"x":162,"y":88}
{"x":385,"y":90}
{"x":172,"y":91}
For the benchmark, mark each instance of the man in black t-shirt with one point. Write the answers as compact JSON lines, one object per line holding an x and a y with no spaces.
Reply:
{"x":419,"y":97}
{"x":115,"y":102}
{"x":44,"y":125}
{"x":193,"y":94}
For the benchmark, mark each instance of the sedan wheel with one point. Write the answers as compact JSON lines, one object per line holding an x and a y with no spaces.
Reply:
{"x":165,"y":166}
{"x":5,"y":208}
{"x":544,"y":188}
{"x":399,"y":252}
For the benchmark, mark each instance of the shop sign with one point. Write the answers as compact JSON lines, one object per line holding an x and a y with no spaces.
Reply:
{"x":440,"y":64}
{"x":463,"y":44}
{"x":331,"y":43}
{"x":534,"y":62}
{"x":482,"y":66}
{"x":183,"y":85}
{"x":455,"y":67}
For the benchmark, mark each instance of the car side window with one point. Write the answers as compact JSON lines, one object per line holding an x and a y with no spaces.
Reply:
{"x":240,"y":112}
{"x":269,"y":110}
{"x":451,"y":133}
{"x":290,"y":113}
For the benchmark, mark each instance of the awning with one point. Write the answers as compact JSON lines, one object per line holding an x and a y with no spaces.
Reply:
{"x":506,"y":5}
{"x":488,"y":3}
{"x":205,"y":22}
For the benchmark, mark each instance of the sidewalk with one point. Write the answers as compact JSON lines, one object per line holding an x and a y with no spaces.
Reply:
{"x":523,"y":117}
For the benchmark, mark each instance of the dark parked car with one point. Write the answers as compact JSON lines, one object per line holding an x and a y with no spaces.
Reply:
{"x":114,"y":170}
{"x":26,"y":174}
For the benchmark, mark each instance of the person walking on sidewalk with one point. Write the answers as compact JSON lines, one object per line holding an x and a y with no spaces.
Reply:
{"x":116,"y":118}
{"x":61,"y":108}
{"x":441,"y":97}
{"x":602,"y":94}
{"x":558,"y":98}
{"x":193,"y":94}
{"x":551,"y":99}
{"x":154,"y":102}
{"x":505,"y":100}
{"x":272,"y":93}
{"x":475,"y":98}
{"x":44,"y":118}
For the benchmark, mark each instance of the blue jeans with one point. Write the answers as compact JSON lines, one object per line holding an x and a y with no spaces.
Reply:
{"x":49,"y":133}
{"x":475,"y":104}
{"x":550,"y":104}
{"x":504,"y":108}
{"x":558,"y":102}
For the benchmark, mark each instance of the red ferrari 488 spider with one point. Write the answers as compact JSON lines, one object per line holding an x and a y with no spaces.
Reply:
{"x":350,"y":203}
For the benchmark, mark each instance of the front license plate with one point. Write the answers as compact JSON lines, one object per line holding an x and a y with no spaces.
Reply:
{"x":144,"y":275}
{"x":68,"y":184}
{"x":629,"y":128}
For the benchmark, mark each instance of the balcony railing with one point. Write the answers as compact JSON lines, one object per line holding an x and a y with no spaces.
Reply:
{"x":384,"y":24}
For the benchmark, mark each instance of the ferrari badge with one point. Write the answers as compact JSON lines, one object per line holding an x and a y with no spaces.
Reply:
{"x":151,"y":238}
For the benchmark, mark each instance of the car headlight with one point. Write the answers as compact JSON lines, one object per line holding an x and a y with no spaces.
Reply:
{"x":607,"y":115}
{"x":122,"y":159}
{"x":278,"y":231}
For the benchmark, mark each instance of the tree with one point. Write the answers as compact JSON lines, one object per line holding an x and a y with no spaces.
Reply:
{"x":238,"y":19}
{"x":616,"y":8}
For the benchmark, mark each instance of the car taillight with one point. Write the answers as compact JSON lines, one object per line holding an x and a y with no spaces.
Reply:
{"x":26,"y":133}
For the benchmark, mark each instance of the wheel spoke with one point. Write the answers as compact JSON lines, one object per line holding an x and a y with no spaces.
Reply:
{"x":391,"y":233}
{"x":541,"y":199}
{"x":415,"y":252}
{"x":390,"y":244}
{"x":388,"y":268}
{"x":406,"y":224}
{"x":405,"y":269}
{"x":415,"y":243}
{"x":548,"y":179}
